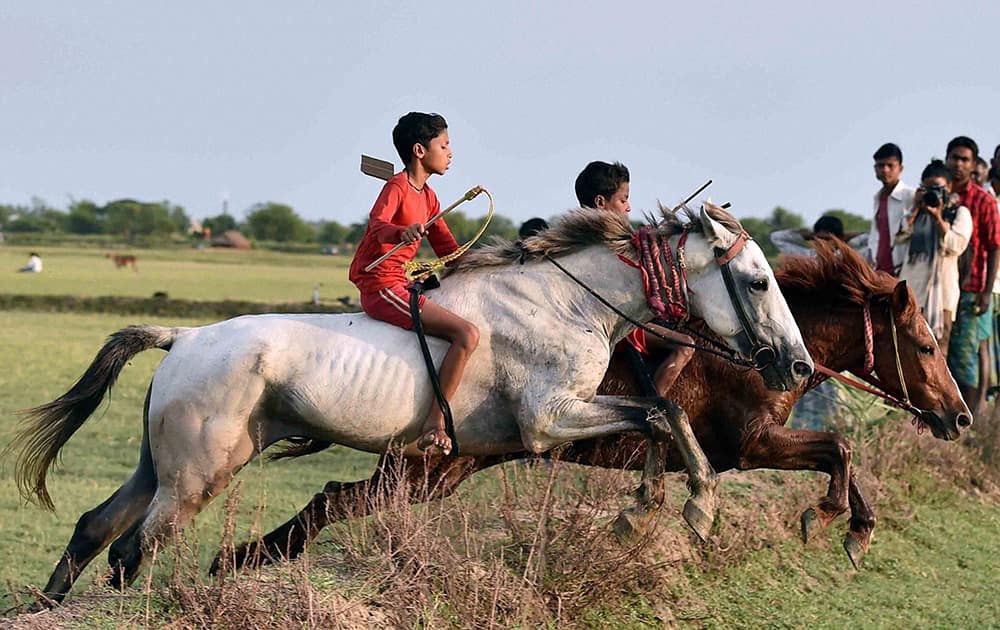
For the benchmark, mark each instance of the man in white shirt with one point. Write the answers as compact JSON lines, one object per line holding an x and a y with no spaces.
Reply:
{"x":892,"y":202}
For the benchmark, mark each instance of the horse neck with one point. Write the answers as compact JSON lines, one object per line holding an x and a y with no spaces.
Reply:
{"x":600,"y":269}
{"x":834,"y":335}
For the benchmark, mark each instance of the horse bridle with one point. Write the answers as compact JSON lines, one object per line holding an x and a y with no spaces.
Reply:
{"x":868,"y":375}
{"x":761,"y":355}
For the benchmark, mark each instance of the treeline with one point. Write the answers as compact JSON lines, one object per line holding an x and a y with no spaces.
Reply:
{"x":277,"y":222}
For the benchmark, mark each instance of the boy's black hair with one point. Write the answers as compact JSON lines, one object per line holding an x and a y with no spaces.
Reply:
{"x":966,"y":142}
{"x":936,"y":168}
{"x":888,"y":150}
{"x":599,"y":178}
{"x":532,"y":227}
{"x":830,"y":224}
{"x":414,"y":128}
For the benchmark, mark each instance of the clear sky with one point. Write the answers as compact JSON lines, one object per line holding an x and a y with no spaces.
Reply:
{"x":781,"y":103}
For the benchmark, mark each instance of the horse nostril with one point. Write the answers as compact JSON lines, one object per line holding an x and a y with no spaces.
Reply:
{"x":963,"y":420}
{"x":802,"y":369}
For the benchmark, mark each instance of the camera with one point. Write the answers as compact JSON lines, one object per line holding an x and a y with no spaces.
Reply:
{"x":934,"y":196}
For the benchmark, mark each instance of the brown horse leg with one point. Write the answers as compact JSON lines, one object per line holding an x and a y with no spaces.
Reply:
{"x":799,"y":449}
{"x":428,"y":477}
{"x":862,"y":524}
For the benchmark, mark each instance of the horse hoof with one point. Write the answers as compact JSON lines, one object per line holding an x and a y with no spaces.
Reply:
{"x":698,"y":520}
{"x":810,"y":524}
{"x":630,"y":525}
{"x":854,"y":551}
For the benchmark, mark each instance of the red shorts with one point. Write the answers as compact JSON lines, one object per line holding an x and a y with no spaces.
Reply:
{"x":392,"y":305}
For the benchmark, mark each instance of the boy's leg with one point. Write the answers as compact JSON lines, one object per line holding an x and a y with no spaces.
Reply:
{"x":675,"y":357}
{"x":464,"y":337}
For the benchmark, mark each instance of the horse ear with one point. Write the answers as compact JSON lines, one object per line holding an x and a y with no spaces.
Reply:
{"x":715,"y":233}
{"x":900,"y":298}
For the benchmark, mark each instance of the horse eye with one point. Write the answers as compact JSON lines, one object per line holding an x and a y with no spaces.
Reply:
{"x":927,"y":349}
{"x":758,"y":285}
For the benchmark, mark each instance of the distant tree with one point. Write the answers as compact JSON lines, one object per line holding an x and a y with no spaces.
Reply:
{"x":130,"y":218}
{"x":220,"y":223}
{"x":84,"y":217}
{"x":333,"y":233}
{"x":277,"y":222}
{"x":760,"y":229}
{"x":852,"y":222}
{"x":782,"y":219}
{"x":39,"y":217}
{"x":500,"y":226}
{"x":178,"y":218}
{"x":355,"y":231}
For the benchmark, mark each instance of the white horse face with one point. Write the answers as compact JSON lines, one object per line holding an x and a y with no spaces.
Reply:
{"x":767,"y":315}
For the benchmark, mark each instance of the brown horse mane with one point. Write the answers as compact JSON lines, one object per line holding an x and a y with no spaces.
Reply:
{"x":582,"y":227}
{"x":837,"y":273}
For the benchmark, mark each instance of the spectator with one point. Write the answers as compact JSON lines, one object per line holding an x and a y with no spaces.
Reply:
{"x":818,"y":406}
{"x":982,"y":173}
{"x":798,"y":242}
{"x":934,"y":235}
{"x":891,"y":203}
{"x":968,"y":351}
{"x":532,"y":227}
{"x":34,"y":263}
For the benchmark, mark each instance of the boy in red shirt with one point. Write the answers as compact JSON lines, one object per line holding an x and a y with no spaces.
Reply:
{"x":606,"y":186}
{"x":399,"y":214}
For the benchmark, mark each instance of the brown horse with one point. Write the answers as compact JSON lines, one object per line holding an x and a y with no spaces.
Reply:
{"x":744,"y":429}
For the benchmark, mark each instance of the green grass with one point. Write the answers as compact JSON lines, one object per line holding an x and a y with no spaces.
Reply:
{"x":937,"y":569}
{"x":42,"y":355}
{"x":214,"y":274}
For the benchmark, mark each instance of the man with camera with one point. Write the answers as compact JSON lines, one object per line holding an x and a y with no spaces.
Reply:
{"x":935,"y":234}
{"x":968,"y":353}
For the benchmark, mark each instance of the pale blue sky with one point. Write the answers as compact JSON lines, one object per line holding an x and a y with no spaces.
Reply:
{"x":778,"y":102}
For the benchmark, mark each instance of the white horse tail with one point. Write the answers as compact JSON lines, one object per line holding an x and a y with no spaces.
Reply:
{"x":48,"y":427}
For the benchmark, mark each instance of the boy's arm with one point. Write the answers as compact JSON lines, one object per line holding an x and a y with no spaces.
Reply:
{"x":386,"y":207}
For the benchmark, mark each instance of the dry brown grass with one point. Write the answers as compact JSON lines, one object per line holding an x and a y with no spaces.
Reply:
{"x":525,"y":545}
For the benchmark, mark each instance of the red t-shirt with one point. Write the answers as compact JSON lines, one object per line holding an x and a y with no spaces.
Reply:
{"x":985,"y":233}
{"x":397,"y":207}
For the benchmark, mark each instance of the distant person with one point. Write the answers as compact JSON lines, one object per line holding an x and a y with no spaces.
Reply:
{"x":798,"y":242}
{"x":982,"y":173}
{"x":606,"y":186}
{"x":892,"y":202}
{"x":934,"y":235}
{"x":968,"y":351}
{"x":532,"y":227}
{"x":405,"y":204}
{"x":820,"y":405}
{"x":34,"y":264}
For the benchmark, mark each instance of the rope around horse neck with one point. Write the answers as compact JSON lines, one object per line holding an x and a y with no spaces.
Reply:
{"x":416,"y":269}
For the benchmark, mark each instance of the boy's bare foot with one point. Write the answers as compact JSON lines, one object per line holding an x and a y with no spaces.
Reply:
{"x":435,"y":439}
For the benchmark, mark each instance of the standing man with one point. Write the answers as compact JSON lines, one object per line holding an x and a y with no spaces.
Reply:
{"x":892,"y":202}
{"x":968,"y":352}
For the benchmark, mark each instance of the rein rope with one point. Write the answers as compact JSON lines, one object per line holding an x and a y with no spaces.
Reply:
{"x":666,"y":297}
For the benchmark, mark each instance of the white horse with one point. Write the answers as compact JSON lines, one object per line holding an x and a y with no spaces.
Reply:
{"x":226,"y":391}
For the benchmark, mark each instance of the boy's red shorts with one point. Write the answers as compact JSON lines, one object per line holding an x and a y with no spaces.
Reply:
{"x":392,"y":305}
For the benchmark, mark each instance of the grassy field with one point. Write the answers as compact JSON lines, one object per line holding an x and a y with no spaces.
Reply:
{"x":933,"y":563}
{"x":213,"y":274}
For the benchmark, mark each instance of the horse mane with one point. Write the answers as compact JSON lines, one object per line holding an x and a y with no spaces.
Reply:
{"x":837,"y":272}
{"x":582,"y":227}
